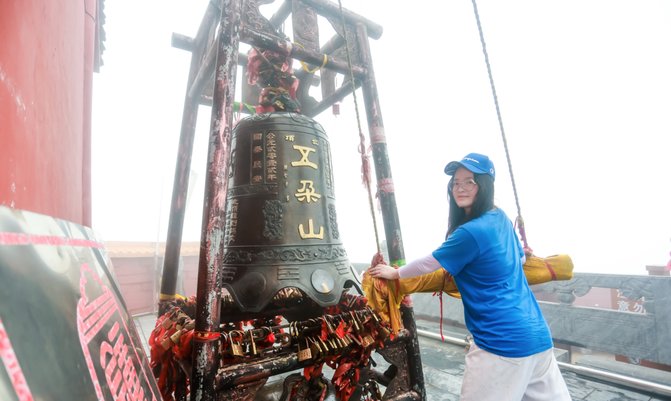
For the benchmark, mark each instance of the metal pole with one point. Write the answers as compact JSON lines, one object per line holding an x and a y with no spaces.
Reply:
{"x":327,"y":8}
{"x":328,"y":101}
{"x":181,"y":182}
{"x":385,"y":185}
{"x":632,"y":382}
{"x":206,"y":337}
{"x":266,"y":41}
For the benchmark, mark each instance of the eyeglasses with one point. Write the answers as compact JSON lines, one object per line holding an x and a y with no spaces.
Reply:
{"x":467,"y":185}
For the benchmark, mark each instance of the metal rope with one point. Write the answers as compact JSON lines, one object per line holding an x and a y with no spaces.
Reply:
{"x":520,"y":221}
{"x":362,"y":138}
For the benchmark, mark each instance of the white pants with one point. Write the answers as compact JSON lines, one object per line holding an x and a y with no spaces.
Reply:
{"x":496,"y":378}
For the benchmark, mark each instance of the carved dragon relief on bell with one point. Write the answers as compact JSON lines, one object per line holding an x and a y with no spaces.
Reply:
{"x":281,"y":223}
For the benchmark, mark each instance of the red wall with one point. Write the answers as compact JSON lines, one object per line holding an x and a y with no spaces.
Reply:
{"x":138,"y":277}
{"x":46,"y":63}
{"x":137,"y":283}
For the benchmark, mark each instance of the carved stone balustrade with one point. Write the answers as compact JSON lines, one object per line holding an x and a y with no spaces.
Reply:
{"x":641,"y":334}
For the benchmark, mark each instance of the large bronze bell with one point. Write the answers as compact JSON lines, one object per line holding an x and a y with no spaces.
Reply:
{"x":281,"y":228}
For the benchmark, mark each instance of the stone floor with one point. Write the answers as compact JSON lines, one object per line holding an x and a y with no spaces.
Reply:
{"x":443,"y":365}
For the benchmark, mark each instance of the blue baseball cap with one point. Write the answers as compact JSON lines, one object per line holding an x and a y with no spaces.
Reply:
{"x":474,"y":162}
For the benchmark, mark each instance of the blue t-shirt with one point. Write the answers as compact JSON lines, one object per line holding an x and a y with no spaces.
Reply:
{"x":484,"y":256}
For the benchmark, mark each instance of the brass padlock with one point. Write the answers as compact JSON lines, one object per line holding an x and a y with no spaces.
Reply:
{"x":328,"y":325}
{"x":323,"y":345}
{"x":252,"y":343}
{"x":236,"y":347}
{"x":285,"y":339}
{"x":175,"y":337}
{"x":367,"y":341}
{"x":305,"y":353}
{"x":373,"y":314}
{"x":354,"y":338}
{"x":355,"y":322}
{"x":166,"y":342}
{"x":315,"y":348}
{"x":385,"y":329}
{"x":166,"y":323}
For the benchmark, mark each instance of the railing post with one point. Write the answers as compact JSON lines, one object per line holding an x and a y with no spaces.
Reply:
{"x":660,"y":308}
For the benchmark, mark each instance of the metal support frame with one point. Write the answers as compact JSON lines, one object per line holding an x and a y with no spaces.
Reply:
{"x":235,"y":28}
{"x":387,"y":197}
{"x":206,"y":343}
{"x":198,"y":46}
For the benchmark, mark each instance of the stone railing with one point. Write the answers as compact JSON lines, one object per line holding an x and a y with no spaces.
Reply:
{"x":642,"y":334}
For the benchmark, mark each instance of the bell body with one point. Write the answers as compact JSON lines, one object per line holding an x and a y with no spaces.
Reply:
{"x":281,"y":224}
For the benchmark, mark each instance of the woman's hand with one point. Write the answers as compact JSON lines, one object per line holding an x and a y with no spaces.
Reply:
{"x":528,"y":252}
{"x":384,"y":271}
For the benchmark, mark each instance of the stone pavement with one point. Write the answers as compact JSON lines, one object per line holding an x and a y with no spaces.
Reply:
{"x":444,"y":368}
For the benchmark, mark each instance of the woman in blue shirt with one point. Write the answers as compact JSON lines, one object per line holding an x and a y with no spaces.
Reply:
{"x":512,"y":355}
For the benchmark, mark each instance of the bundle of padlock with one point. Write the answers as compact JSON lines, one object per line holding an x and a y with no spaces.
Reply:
{"x":342,"y":338}
{"x":349,"y":335}
{"x":170,"y":347}
{"x":314,"y":338}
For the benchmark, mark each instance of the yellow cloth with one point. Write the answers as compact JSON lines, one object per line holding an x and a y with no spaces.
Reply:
{"x":541,"y":270}
{"x":385,"y":296}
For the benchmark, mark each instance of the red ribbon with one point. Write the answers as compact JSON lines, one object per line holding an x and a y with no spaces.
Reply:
{"x":206,"y":336}
{"x":551,"y":270}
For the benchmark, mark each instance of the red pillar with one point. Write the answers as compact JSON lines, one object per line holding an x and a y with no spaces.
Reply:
{"x":46,"y":64}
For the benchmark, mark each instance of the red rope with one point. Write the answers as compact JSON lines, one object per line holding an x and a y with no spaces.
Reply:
{"x":519,"y":223}
{"x":365,"y":162}
{"x":440,"y":297}
{"x":551,"y":270}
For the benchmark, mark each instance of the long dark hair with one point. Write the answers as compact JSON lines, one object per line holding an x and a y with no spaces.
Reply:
{"x":484,"y":202}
